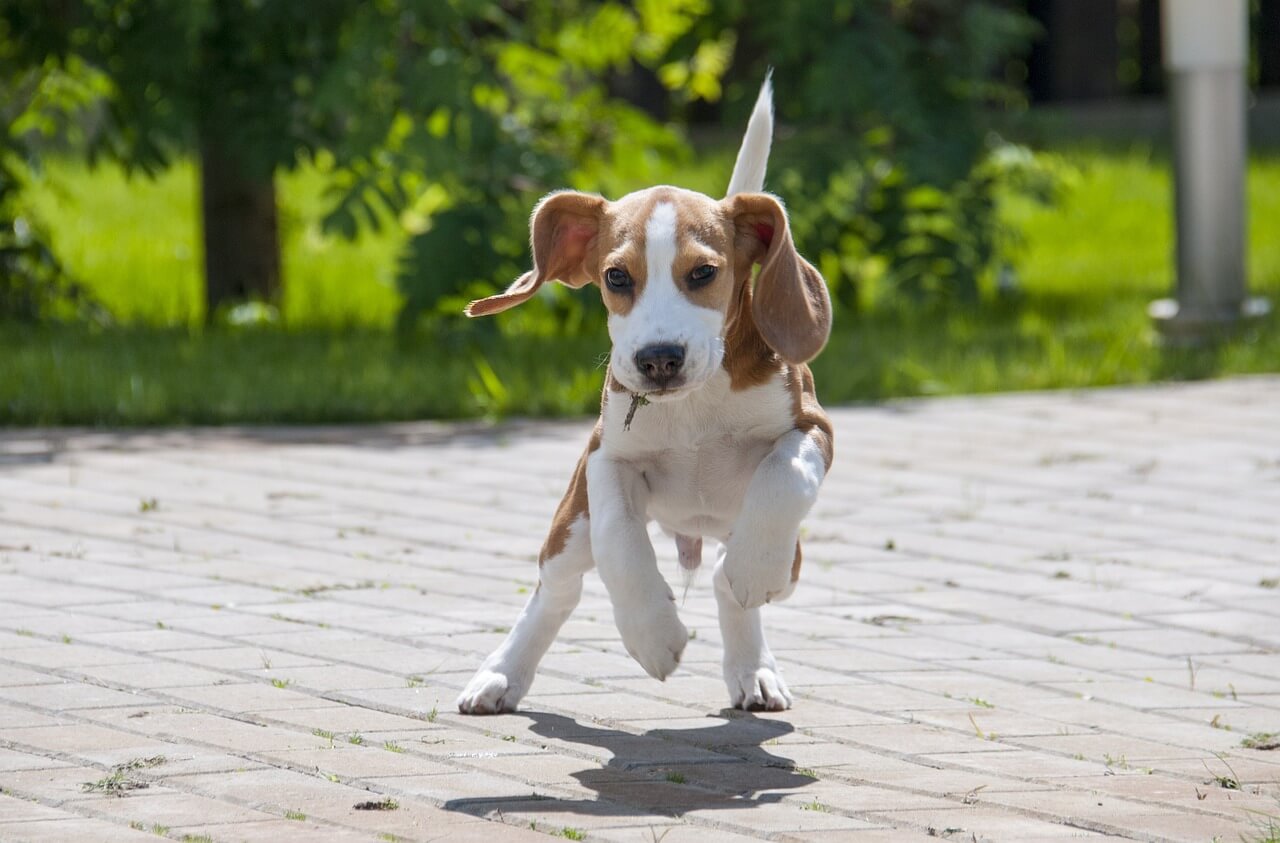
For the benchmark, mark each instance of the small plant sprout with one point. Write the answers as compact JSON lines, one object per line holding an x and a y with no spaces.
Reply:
{"x":637,"y":401}
{"x":1115,"y":761}
{"x":387,"y":804}
{"x":986,"y":736}
{"x":1262,"y":740}
{"x":117,"y":783}
{"x":1227,"y":781}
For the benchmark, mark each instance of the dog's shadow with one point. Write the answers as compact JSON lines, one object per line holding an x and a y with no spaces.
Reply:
{"x":671,"y":772}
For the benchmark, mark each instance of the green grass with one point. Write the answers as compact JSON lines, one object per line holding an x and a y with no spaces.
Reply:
{"x":136,"y":244}
{"x":1088,"y":268}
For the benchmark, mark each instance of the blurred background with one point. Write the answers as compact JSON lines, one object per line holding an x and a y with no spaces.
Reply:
{"x":219,"y":211}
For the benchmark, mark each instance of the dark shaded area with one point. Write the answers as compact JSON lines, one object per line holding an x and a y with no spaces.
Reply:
{"x":1077,"y":57}
{"x":1105,"y":49}
{"x":241,"y":228}
{"x":664,"y":771}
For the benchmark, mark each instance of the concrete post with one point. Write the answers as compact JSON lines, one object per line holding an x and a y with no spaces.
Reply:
{"x":1205,"y":43}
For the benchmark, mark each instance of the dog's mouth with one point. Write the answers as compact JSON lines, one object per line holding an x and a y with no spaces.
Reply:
{"x":690,"y":380}
{"x":670,"y":392}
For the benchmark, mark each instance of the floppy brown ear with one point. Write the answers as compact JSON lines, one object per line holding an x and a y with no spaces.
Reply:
{"x":562,"y":231}
{"x":790,"y":303}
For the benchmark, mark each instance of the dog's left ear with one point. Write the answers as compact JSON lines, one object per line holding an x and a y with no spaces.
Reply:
{"x":790,"y":303}
{"x":562,"y":230}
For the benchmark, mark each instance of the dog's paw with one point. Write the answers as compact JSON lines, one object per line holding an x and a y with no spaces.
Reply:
{"x":757,"y":575}
{"x":653,"y":635}
{"x":757,"y":687}
{"x":491,"y":692}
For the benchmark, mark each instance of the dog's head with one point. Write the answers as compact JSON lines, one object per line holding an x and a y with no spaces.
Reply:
{"x":675,"y":270}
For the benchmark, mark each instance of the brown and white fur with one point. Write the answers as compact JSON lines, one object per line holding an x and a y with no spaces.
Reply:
{"x":733,"y":444}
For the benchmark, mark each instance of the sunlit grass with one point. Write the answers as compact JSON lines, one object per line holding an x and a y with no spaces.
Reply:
{"x":1087,"y":269}
{"x":135,"y":243}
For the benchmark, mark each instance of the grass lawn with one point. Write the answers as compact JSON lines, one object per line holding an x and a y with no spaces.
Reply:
{"x":1088,"y":267}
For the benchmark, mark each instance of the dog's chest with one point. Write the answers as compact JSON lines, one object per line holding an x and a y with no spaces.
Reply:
{"x":698,"y":455}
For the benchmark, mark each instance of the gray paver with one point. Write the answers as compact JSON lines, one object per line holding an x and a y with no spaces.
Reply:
{"x":1042,"y":616}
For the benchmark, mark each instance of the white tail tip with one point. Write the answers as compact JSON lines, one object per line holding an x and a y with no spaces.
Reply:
{"x":753,"y":156}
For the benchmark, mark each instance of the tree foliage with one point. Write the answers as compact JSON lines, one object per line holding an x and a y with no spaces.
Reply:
{"x":38,"y":103}
{"x":450,"y":117}
{"x":487,"y":107}
{"x":895,"y":171}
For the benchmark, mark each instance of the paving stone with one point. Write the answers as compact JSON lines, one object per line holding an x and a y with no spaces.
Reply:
{"x":1013,"y":608}
{"x":70,"y":829}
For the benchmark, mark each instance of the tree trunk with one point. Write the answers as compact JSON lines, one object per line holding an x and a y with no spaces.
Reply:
{"x":1150,"y":49}
{"x":1078,"y":56}
{"x":241,"y":236}
{"x":1269,"y":44}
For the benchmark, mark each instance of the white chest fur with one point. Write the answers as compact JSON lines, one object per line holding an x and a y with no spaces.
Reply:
{"x":698,"y":454}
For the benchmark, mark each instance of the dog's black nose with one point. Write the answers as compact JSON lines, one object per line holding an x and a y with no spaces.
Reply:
{"x":660,"y":363}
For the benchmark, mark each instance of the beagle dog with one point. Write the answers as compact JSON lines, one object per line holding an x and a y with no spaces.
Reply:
{"x":709,"y":424}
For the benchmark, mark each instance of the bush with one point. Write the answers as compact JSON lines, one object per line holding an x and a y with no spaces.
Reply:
{"x":35,"y":103}
{"x":894,"y":173}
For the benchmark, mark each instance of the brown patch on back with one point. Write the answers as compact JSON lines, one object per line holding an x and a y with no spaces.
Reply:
{"x":572,"y":505}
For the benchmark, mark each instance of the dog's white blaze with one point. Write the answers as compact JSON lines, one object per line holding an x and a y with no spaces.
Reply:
{"x":660,"y":247}
{"x":662,"y":314}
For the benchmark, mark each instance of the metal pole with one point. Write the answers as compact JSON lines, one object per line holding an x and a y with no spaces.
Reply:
{"x":1205,"y":53}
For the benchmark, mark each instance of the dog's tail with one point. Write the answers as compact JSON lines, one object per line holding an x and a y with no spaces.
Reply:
{"x":753,"y":156}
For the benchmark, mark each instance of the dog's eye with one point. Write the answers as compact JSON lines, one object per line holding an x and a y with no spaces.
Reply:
{"x":702,"y":276}
{"x":617,"y":279}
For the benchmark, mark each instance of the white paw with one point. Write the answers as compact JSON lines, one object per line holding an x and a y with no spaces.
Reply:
{"x":757,"y":688}
{"x":653,"y":635}
{"x":491,"y":692}
{"x":757,"y":575}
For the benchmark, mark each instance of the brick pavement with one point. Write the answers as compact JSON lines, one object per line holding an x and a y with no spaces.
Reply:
{"x":1027,"y":617}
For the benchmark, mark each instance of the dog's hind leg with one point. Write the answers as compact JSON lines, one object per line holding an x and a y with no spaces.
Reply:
{"x":505,"y":677}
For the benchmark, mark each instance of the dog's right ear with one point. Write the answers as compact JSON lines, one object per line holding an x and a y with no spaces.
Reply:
{"x":562,"y":232}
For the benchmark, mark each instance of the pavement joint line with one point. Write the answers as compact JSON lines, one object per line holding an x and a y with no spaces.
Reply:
{"x":349,"y":700}
{"x":83,"y":807}
{"x":456,"y":651}
{"x":220,"y":468}
{"x":256,"y":719}
{"x":461,"y":548}
{"x":970,"y":616}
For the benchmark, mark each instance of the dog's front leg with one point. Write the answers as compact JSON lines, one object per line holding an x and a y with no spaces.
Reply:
{"x":507,"y":673}
{"x":760,"y":562}
{"x":762,"y":549}
{"x":643,"y":606}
